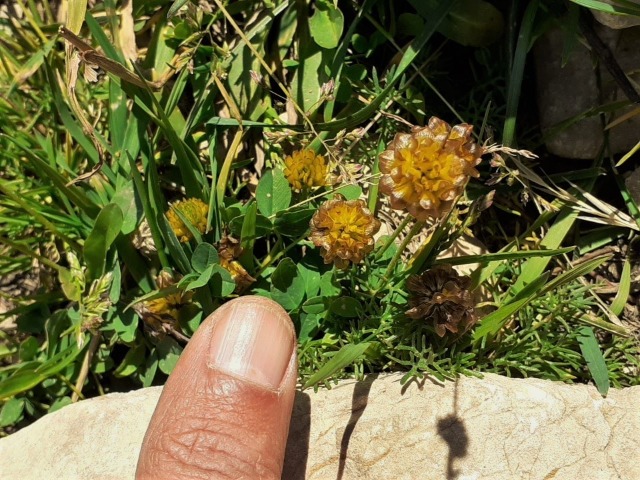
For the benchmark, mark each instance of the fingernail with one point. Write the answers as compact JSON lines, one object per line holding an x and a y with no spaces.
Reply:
{"x":253,"y":340}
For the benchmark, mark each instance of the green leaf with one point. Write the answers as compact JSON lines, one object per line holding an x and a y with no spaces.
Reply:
{"x":131,"y":362}
{"x":621,"y":298}
{"x":105,"y":230}
{"x":59,"y":403}
{"x":71,"y":285}
{"x":516,"y":73}
{"x":329,"y":286}
{"x":534,"y":267}
{"x":595,"y":361}
{"x":345,"y":357}
{"x":202,"y":279}
{"x":248,"y":236}
{"x":28,"y":349}
{"x":222,"y":282}
{"x":492,"y":323}
{"x":293,"y":223}
{"x":575,"y":273}
{"x":309,"y":324}
{"x":492,"y":257}
{"x":130,"y":206}
{"x":125,"y":324}
{"x":288,"y":287}
{"x":263,"y":226}
{"x":203,"y":257}
{"x":151,"y":367}
{"x":75,"y":16}
{"x":168,"y":354}
{"x":614,"y":8}
{"x":27,"y":378}
{"x":175,"y":6}
{"x":311,"y":279}
{"x":20,"y":381}
{"x":347,"y":307}
{"x":326,"y":24}
{"x":273,"y":193}
{"x":315,"y":305}
{"x":350,"y":192}
{"x":11,"y":412}
{"x":362,"y":115}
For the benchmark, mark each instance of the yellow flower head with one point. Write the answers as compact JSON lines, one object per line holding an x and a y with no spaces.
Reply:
{"x":344,"y":231}
{"x":426,"y":170}
{"x":195,"y":210}
{"x":168,"y":308}
{"x":304,"y":169}
{"x":163,"y":314}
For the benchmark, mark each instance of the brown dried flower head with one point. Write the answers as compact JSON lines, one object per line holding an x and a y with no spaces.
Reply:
{"x":426,"y":170}
{"x":344,"y":230}
{"x":442,"y":296}
{"x":229,"y":250}
{"x":162,"y":315}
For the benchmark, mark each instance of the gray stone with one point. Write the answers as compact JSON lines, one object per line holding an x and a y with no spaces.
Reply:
{"x":491,"y":429}
{"x":632,"y":182}
{"x":565,"y":92}
{"x":616,"y":21}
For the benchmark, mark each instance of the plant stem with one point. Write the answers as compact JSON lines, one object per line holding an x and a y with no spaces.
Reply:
{"x":405,"y":241}
{"x":272,"y":258}
{"x":393,"y":236}
{"x":84,"y":369}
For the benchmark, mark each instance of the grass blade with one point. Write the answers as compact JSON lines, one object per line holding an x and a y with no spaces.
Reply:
{"x":620,"y":300}
{"x":517,"y":72}
{"x":595,"y":361}
{"x":345,"y":357}
{"x":492,"y":257}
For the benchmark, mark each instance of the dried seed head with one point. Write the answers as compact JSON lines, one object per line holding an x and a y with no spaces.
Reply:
{"x":143,"y":240}
{"x":426,"y":170}
{"x":162,"y":315}
{"x":304,"y":169}
{"x":441,"y":295}
{"x":344,"y":231}
{"x":195,"y":210}
{"x":229,"y":250}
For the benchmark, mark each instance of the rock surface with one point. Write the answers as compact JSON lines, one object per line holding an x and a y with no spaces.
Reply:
{"x":570,"y":90}
{"x":471,"y":429}
{"x":616,"y":21}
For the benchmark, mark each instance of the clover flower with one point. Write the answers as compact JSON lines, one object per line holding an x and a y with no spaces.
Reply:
{"x":195,"y":210}
{"x":229,"y":250}
{"x":304,"y":169}
{"x":441,"y":296}
{"x":162,"y":315}
{"x":344,"y":230}
{"x":426,"y":170}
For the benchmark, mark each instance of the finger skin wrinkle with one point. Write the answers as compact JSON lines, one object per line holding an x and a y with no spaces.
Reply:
{"x":213,"y":424}
{"x":205,"y":435}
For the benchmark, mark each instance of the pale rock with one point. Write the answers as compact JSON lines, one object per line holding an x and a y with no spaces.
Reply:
{"x":494,"y":428}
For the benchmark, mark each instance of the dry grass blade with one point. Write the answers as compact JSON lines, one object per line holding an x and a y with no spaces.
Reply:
{"x":126,"y":34}
{"x":91,"y":56}
{"x":591,"y":208}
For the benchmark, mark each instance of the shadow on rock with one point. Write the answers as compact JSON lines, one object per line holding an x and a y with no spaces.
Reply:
{"x":359,"y":402}
{"x":452,"y":430}
{"x":297,"y":453}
